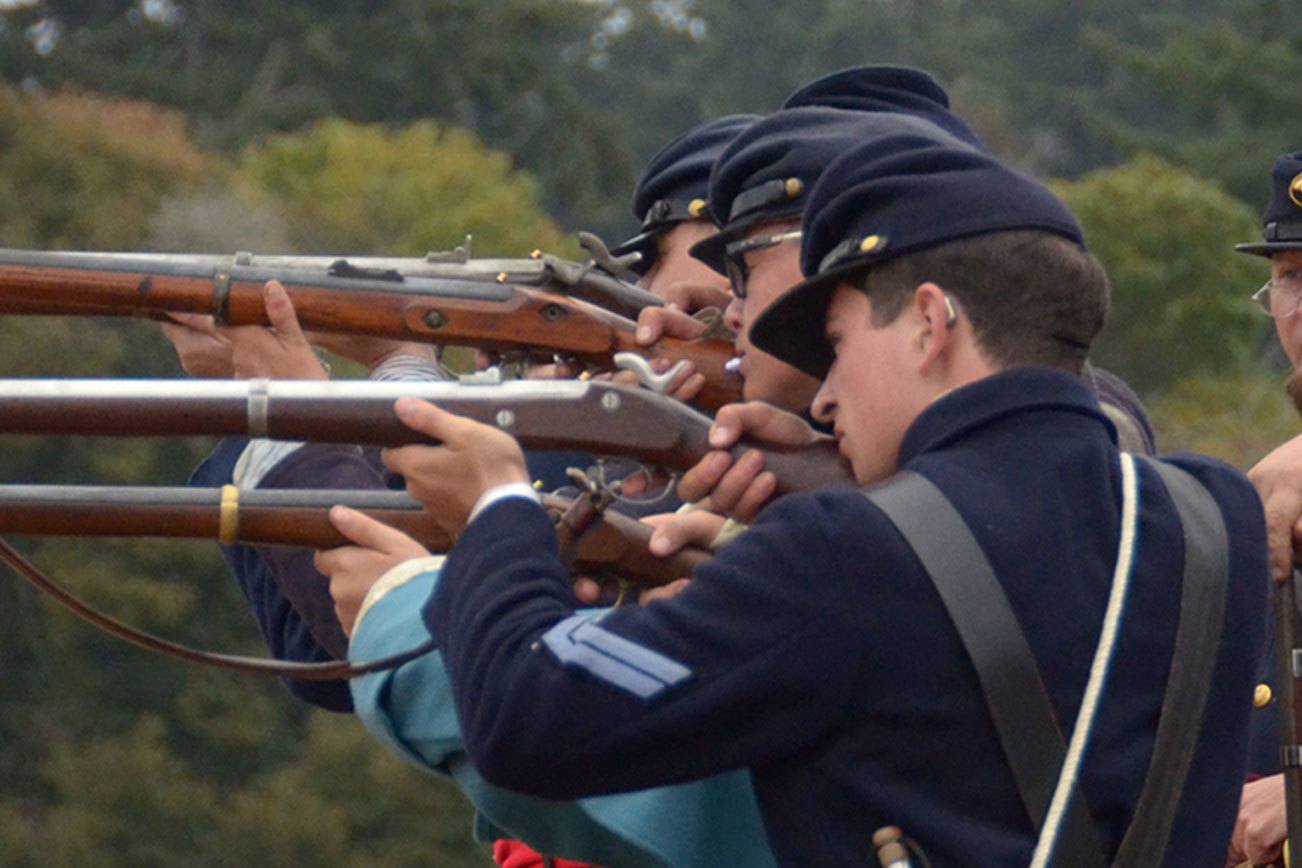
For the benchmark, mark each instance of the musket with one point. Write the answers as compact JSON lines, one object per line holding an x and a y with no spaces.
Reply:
{"x":600,"y":543}
{"x":503,"y":305}
{"x":613,"y":545}
{"x":596,"y":417}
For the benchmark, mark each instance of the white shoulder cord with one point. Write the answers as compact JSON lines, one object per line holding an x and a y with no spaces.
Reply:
{"x":1098,"y":669}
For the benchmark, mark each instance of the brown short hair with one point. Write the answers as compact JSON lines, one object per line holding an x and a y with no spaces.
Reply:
{"x":1034,"y":298}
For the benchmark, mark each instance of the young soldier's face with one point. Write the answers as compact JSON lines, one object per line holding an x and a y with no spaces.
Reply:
{"x":772,"y":271}
{"x":874,"y":390}
{"x":675,"y":270}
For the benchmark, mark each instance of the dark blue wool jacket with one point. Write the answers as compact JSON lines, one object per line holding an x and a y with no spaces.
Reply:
{"x":815,"y":652}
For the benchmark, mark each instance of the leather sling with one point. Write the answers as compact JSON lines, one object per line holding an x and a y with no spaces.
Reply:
{"x":1018,"y":702}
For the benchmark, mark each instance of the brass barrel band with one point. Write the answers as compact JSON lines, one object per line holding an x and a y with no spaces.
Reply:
{"x":228,"y":525}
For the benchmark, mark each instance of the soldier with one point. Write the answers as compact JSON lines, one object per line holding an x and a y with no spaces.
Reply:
{"x":288,"y":596}
{"x":1262,"y":824}
{"x":949,"y":310}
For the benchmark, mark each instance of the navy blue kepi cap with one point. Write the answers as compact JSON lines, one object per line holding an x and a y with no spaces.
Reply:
{"x":892,"y":195}
{"x":883,"y":88}
{"x":674,"y":186}
{"x":1282,"y":222}
{"x":767,"y":172}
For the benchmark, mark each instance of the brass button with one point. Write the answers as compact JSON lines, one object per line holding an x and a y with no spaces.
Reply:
{"x":1262,"y":696}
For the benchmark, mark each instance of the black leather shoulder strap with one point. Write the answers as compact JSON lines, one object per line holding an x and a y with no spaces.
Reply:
{"x":1028,"y":730}
{"x":1203,"y":593}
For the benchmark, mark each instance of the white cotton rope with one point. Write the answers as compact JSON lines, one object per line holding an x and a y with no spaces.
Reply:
{"x":1098,"y":669}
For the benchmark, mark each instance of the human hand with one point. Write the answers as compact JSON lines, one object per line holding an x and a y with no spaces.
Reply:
{"x":691,"y":296}
{"x":354,"y":569}
{"x":654,"y":323}
{"x":673,"y":532}
{"x":1261,"y":826}
{"x":279,"y":351}
{"x":200,"y":346}
{"x":449,"y":479}
{"x":1278,"y":478}
{"x":740,"y":488}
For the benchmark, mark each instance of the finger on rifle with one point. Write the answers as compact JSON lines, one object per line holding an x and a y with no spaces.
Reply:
{"x":691,"y":295}
{"x":1283,"y":517}
{"x":428,"y":419}
{"x":700,"y":479}
{"x":281,"y":313}
{"x":369,"y":533}
{"x":587,"y":591}
{"x":752,"y":500}
{"x":664,"y":592}
{"x":744,"y":488}
{"x":734,"y":420}
{"x":199,"y":322}
{"x":653,"y":323}
{"x":674,"y":531}
{"x":687,"y":386}
{"x":620,"y":378}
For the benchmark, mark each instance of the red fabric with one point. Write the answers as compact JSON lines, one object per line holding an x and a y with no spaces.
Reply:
{"x":517,"y":854}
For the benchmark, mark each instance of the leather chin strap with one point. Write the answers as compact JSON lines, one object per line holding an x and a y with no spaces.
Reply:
{"x":329,"y":671}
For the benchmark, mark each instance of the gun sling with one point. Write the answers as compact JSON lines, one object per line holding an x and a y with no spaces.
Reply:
{"x":1018,"y":702}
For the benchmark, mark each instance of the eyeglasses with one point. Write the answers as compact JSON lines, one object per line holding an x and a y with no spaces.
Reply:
{"x":734,"y":257}
{"x":1280,"y":297}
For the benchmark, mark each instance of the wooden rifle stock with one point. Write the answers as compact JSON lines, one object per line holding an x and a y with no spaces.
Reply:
{"x":600,"y":418}
{"x":468,"y":308}
{"x":616,"y":544}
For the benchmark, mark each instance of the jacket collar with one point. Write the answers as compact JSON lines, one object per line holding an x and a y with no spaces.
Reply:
{"x":994,"y":398}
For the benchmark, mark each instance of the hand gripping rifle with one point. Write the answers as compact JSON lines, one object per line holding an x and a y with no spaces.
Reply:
{"x":504,"y":305}
{"x":594,"y":542}
{"x":600,"y":418}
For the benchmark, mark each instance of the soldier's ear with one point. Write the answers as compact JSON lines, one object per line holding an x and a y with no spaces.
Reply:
{"x":937,"y":315}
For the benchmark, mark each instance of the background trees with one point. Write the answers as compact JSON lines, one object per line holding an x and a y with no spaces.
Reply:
{"x":400,"y":125}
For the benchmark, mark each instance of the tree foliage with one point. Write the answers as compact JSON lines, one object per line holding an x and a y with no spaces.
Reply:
{"x":109,"y":756}
{"x":397,"y":127}
{"x":1166,"y":239}
{"x":352,"y":188}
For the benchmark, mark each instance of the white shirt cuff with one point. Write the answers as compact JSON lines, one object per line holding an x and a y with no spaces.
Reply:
{"x":501,"y":492}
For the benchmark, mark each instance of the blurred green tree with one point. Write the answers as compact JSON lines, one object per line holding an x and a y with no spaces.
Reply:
{"x":102,"y":745}
{"x":1180,"y":304}
{"x":353,"y":188}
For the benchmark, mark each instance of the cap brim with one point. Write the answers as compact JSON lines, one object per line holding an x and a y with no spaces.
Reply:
{"x":794,"y":328}
{"x":712,"y":251}
{"x":1267,"y":248}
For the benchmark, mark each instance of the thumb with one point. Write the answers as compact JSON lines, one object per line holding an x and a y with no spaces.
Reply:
{"x":362,"y":530}
{"x":281,"y":313}
{"x":426,"y":418}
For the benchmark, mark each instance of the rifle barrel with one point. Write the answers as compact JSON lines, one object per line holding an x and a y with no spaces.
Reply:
{"x":599,"y":418}
{"x":298,"y":517}
{"x":428,"y":304}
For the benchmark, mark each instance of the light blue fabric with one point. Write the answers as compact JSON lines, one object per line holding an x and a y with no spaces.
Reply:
{"x":578,"y":641}
{"x":704,"y":823}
